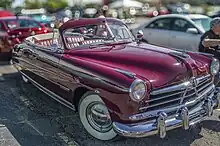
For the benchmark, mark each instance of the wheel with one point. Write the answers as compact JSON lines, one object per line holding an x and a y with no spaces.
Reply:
{"x":24,"y":79}
{"x":95,"y":117}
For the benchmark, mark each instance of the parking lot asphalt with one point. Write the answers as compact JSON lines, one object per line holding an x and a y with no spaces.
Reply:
{"x":28,"y":117}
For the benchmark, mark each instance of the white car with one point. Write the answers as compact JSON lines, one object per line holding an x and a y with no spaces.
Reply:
{"x":179,"y":31}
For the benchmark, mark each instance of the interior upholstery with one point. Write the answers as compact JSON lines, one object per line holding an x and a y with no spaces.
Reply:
{"x":71,"y":41}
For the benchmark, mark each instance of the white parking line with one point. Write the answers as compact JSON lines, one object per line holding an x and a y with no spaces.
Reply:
{"x":1,"y":77}
{"x":218,"y":109}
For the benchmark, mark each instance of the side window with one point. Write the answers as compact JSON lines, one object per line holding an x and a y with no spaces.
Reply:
{"x":23,"y":23}
{"x":32,"y":23}
{"x":181,"y":25}
{"x":1,"y":27}
{"x":28,"y":23}
{"x":160,"y":24}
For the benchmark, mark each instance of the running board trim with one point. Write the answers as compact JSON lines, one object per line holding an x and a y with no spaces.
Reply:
{"x":50,"y":93}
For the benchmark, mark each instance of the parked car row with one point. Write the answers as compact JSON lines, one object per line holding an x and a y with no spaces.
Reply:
{"x":119,"y":85}
{"x":175,"y":30}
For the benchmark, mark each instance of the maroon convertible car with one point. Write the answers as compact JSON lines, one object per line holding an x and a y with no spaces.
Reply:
{"x":118,"y":85}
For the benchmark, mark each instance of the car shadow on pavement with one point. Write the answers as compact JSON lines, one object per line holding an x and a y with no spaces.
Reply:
{"x":211,"y":125}
{"x":31,"y":117}
{"x":35,"y":119}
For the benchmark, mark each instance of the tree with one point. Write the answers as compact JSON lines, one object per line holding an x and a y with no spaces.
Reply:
{"x":32,"y":4}
{"x":53,"y":5}
{"x":6,"y":3}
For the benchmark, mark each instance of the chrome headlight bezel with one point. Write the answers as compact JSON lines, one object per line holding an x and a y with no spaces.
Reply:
{"x":136,"y":83}
{"x":214,"y":67}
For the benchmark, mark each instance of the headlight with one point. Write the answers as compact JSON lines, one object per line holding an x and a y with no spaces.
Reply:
{"x":137,"y":90}
{"x":214,"y":68}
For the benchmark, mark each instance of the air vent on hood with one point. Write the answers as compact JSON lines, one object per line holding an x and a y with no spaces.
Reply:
{"x":126,"y":73}
{"x":181,"y":55}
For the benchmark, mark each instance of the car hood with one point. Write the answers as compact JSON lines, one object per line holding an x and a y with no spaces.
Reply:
{"x":160,"y":66}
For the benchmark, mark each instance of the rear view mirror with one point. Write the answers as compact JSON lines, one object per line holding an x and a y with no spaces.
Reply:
{"x":192,"y":31}
{"x":139,"y":35}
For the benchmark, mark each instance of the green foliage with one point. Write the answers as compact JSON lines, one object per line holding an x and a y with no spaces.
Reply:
{"x":55,"y":4}
{"x":32,"y":4}
{"x":49,"y":4}
{"x":6,"y":3}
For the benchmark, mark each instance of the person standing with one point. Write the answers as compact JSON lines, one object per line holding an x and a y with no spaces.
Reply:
{"x":210,"y":40}
{"x":210,"y":43}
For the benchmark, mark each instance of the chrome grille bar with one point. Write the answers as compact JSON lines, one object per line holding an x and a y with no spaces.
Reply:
{"x":181,"y":86}
{"x":174,"y":95}
{"x":159,"y":98}
{"x":161,"y":103}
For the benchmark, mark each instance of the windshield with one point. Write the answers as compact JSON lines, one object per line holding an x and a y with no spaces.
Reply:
{"x":21,"y":23}
{"x":97,"y":34}
{"x":203,"y":23}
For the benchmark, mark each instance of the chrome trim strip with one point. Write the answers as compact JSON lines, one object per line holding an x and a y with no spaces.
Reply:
{"x":181,"y":86}
{"x":50,"y":93}
{"x":159,"y":98}
{"x":163,"y":102}
{"x":189,"y":103}
{"x":159,"y":126}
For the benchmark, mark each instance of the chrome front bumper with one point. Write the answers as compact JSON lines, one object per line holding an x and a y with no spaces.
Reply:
{"x":185,"y":118}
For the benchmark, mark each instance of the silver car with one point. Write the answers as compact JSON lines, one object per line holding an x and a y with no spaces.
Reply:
{"x":177,"y":31}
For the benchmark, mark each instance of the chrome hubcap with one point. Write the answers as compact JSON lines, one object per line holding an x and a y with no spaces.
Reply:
{"x":98,"y":117}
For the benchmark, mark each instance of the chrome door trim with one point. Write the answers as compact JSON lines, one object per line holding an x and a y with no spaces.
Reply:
{"x":50,"y":93}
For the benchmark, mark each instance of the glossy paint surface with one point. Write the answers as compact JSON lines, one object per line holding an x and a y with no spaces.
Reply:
{"x":150,"y":63}
{"x":109,"y":70}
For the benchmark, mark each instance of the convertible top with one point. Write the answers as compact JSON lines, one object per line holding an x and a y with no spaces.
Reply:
{"x":89,"y":21}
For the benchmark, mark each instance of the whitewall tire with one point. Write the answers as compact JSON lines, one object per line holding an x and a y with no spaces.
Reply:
{"x":95,"y":117}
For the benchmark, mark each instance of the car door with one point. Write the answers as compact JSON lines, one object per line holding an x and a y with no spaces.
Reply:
{"x":181,"y":38}
{"x":158,"y":32}
{"x":41,"y":65}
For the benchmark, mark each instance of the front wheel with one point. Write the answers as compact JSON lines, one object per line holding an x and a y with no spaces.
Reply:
{"x":95,"y":117}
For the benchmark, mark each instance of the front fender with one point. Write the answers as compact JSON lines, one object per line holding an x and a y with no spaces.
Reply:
{"x":111,"y":84}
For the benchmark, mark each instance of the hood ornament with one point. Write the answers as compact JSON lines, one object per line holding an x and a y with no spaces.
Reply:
{"x":193,"y":83}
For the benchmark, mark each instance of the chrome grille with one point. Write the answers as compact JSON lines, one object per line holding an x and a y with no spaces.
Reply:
{"x":177,"y":94}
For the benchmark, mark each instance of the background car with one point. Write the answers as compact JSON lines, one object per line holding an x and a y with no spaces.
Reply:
{"x":15,"y":29}
{"x":5,"y":13}
{"x":175,"y":30}
{"x":39,"y":15}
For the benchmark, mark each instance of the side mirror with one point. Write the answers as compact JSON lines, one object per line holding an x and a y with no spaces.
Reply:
{"x":139,"y":35}
{"x":192,"y":31}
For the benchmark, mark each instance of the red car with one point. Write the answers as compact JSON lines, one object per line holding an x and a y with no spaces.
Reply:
{"x":118,"y":85}
{"x":153,"y":11}
{"x":14,"y":30}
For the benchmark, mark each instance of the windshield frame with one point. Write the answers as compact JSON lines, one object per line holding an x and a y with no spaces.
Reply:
{"x":107,"y":40}
{"x":202,"y":19}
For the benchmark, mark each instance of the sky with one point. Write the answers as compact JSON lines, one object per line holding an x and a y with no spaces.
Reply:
{"x":18,"y":3}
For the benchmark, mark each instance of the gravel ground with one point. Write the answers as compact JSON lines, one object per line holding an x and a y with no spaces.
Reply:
{"x":35,"y":119}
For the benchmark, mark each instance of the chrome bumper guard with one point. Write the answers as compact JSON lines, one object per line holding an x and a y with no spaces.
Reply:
{"x":184,"y":118}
